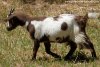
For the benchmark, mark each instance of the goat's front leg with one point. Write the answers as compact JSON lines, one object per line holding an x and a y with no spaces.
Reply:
{"x":35,"y":49}
{"x":73,"y":47}
{"x":47,"y":48}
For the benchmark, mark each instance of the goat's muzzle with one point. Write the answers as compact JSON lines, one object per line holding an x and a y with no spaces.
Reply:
{"x":9,"y":29}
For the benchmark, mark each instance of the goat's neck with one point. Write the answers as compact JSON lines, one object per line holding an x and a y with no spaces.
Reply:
{"x":27,"y":23}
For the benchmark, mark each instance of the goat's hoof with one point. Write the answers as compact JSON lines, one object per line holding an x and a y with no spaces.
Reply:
{"x":95,"y":58}
{"x":67,"y":58}
{"x":33,"y":59}
{"x":58,"y":58}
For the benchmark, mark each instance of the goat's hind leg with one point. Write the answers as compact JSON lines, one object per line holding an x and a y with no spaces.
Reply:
{"x":91,"y":47}
{"x":47,"y":48}
{"x":73,"y":47}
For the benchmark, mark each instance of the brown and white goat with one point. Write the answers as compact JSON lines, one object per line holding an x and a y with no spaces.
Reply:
{"x":63,"y":28}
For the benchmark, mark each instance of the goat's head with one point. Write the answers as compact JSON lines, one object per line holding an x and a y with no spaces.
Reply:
{"x":14,"y":20}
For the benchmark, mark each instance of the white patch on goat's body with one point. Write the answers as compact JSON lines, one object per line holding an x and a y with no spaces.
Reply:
{"x":37,"y":25}
{"x":80,"y":38}
{"x":52,"y":28}
{"x":76,"y":29}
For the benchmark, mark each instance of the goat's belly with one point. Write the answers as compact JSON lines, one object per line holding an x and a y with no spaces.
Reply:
{"x":59,"y":37}
{"x":56,"y":34}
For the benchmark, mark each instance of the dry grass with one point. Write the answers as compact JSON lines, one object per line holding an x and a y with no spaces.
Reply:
{"x":16,"y":46}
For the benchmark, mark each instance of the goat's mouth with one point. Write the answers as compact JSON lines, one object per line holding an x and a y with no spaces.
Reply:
{"x":9,"y":29}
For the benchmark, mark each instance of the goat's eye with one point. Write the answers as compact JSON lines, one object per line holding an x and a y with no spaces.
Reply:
{"x":11,"y":21}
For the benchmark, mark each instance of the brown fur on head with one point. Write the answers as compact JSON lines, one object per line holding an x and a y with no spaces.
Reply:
{"x":19,"y":19}
{"x":15,"y":19}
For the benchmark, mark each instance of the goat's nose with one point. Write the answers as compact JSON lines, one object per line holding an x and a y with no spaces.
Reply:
{"x":8,"y":29}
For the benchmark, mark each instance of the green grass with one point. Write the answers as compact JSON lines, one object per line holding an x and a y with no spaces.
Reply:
{"x":16,"y":46}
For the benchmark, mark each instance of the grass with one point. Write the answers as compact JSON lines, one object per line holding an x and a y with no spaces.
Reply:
{"x":16,"y":46}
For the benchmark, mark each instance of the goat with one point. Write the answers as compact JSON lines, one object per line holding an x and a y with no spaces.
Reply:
{"x":63,"y":28}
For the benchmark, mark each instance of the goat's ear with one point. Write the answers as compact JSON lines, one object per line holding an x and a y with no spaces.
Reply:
{"x":85,"y":17}
{"x":11,"y":11}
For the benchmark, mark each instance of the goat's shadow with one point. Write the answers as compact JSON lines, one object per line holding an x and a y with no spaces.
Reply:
{"x":80,"y":57}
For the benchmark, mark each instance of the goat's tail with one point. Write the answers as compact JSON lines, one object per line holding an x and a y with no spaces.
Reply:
{"x":93,"y":15}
